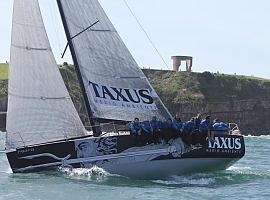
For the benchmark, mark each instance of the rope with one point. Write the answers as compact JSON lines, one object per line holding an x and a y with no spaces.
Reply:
{"x":146,"y":34}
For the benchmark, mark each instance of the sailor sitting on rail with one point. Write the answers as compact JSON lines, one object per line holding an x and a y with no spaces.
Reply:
{"x":135,"y":126}
{"x":219,"y":127}
{"x":206,"y":127}
{"x":168,"y":131}
{"x":188,"y":128}
{"x":146,"y":132}
{"x":155,"y":126}
{"x":177,"y":123}
{"x":136,"y":131}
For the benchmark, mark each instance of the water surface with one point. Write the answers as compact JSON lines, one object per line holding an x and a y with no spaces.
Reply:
{"x":247,"y":179}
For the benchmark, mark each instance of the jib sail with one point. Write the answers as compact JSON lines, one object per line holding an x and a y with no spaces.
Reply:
{"x":116,"y":87}
{"x":40,"y":109}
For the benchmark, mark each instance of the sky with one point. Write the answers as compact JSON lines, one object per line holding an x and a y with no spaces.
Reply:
{"x":228,"y":36}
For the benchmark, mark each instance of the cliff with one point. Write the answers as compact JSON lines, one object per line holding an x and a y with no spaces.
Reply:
{"x":241,"y":99}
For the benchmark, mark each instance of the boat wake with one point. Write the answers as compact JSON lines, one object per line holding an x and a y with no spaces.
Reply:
{"x":259,"y":137}
{"x":186,"y":181}
{"x":94,"y":174}
{"x":239,"y":169}
{"x":233,"y":175}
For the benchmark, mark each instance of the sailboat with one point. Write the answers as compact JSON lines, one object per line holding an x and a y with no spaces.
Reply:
{"x":44,"y":130}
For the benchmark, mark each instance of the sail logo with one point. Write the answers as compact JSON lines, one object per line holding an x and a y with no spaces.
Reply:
{"x":225,"y":143}
{"x":122,"y":97}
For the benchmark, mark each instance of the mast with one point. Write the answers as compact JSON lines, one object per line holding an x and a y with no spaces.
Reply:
{"x":77,"y":69}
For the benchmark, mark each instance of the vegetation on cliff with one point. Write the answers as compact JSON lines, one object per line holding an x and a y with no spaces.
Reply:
{"x":211,"y":87}
{"x":236,"y":98}
{"x":180,"y":87}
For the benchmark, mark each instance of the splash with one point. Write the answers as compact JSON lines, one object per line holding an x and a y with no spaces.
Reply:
{"x":200,"y":180}
{"x":259,"y":137}
{"x":239,"y":168}
{"x":94,"y":174}
{"x":249,"y":171}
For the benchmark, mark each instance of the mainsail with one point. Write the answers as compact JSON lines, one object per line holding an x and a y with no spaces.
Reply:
{"x":40,"y":109}
{"x":116,"y":87}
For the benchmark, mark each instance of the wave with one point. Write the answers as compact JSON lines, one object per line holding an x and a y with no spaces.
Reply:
{"x":233,"y":175}
{"x":260,"y":136}
{"x":239,"y":168}
{"x":187,"y":181}
{"x":95,"y":173}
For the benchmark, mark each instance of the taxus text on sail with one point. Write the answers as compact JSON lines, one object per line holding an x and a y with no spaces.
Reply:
{"x":122,"y":97}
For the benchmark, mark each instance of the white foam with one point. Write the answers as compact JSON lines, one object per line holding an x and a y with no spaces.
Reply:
{"x":94,"y":173}
{"x":178,"y":180}
{"x":9,"y":171}
{"x":260,"y":136}
{"x":238,"y":168}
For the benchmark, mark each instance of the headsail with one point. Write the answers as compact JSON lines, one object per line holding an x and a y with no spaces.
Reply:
{"x":116,"y":87}
{"x":40,"y":109}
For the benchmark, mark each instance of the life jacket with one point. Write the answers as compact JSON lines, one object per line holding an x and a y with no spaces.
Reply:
{"x":166,"y":125}
{"x":146,"y":127}
{"x":205,"y":125}
{"x":177,"y":124}
{"x":189,"y":127}
{"x":135,"y":127}
{"x":155,"y":125}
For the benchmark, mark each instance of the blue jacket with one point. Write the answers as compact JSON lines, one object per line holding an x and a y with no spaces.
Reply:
{"x":178,"y":125}
{"x":166,"y":125}
{"x":146,"y":127}
{"x":220,"y":126}
{"x":205,"y":125}
{"x":216,"y":126}
{"x":224,"y":126}
{"x":135,"y":127}
{"x":155,"y":125}
{"x":189,"y":127}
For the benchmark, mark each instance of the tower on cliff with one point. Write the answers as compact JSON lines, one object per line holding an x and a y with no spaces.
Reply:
{"x":177,"y":62}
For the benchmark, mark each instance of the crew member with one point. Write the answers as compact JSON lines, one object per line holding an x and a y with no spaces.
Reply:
{"x":146,"y":132}
{"x":220,"y":127}
{"x":155,"y":127}
{"x":188,"y":130}
{"x":206,"y":128}
{"x":168,"y":132}
{"x":177,"y":123}
{"x":136,"y":131}
{"x":135,"y":126}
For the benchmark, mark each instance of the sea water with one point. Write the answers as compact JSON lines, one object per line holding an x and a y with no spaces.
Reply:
{"x":247,"y":179}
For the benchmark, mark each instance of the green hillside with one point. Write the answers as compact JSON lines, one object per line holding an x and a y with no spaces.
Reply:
{"x":233,"y":98}
{"x":211,"y":87}
{"x":183,"y":86}
{"x":3,"y":71}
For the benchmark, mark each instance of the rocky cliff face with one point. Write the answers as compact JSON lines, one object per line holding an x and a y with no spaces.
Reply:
{"x":3,"y":103}
{"x":240,"y":99}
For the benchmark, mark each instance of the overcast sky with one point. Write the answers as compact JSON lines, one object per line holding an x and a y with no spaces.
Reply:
{"x":229,"y":36}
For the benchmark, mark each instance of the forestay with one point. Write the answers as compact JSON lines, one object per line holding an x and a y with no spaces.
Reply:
{"x":40,"y":109}
{"x":116,"y":87}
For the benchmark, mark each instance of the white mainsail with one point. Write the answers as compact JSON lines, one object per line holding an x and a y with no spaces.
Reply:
{"x":116,"y":87}
{"x":40,"y":109}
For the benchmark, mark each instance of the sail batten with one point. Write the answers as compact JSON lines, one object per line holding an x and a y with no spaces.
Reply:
{"x":40,"y":109}
{"x":116,"y":87}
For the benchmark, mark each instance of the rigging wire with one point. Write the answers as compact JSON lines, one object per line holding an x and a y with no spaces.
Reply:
{"x":146,"y":34}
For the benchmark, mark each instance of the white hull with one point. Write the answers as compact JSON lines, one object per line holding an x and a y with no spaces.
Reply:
{"x":165,"y":168}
